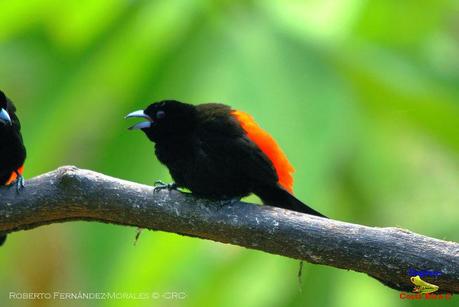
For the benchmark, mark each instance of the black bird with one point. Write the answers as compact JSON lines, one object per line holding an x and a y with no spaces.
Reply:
{"x":219,"y":153}
{"x":12,"y":149}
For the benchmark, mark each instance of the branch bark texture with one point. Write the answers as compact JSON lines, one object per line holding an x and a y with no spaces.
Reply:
{"x":386,"y":254}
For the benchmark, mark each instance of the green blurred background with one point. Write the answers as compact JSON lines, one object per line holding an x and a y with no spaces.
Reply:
{"x":362,"y":96}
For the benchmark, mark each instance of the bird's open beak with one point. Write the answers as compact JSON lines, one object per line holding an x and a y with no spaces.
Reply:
{"x":141,"y":125}
{"x":5,"y":117}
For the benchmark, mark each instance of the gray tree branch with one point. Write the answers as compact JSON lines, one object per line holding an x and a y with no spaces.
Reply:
{"x":386,"y":254}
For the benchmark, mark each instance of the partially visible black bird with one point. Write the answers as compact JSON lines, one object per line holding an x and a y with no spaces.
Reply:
{"x":12,"y":149}
{"x":219,"y":153}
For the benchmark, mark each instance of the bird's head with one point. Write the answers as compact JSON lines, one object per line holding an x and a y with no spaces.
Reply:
{"x":5,"y":119}
{"x":165,"y":119}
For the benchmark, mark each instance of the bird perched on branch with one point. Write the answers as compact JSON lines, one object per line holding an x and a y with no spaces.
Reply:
{"x":219,"y":153}
{"x":12,"y":149}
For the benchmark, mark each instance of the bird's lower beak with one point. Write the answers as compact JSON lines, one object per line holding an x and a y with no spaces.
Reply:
{"x":141,"y":125}
{"x":5,"y":117}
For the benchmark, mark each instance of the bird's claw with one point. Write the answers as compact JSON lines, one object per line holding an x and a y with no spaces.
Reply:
{"x":159,"y":185}
{"x":20,"y":183}
{"x":228,"y":202}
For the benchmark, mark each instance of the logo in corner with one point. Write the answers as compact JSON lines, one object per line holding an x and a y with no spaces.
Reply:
{"x":422,"y":286}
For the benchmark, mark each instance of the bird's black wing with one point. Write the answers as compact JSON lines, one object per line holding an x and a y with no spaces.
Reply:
{"x":223,"y":142}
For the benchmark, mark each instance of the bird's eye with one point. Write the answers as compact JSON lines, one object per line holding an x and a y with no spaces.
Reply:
{"x":160,"y":114}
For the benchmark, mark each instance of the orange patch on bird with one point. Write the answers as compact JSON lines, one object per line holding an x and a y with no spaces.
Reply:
{"x":269,"y":147}
{"x":14,"y":176}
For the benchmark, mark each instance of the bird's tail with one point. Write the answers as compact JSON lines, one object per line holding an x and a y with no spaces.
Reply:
{"x":278,"y":197}
{"x":2,"y":239}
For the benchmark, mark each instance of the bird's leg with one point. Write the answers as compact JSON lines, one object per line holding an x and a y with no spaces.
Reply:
{"x":159,"y":185}
{"x":19,"y":182}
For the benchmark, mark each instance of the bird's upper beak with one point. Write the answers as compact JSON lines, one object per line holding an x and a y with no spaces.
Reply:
{"x":5,"y":117}
{"x":141,"y":125}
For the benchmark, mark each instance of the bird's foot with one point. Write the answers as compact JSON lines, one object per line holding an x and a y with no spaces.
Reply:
{"x":159,"y":185}
{"x":20,"y":183}
{"x":228,"y":202}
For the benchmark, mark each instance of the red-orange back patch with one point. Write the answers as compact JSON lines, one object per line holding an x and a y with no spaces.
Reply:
{"x":269,"y":147}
